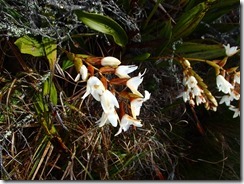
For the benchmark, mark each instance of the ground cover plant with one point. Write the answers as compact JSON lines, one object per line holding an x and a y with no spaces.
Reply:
{"x":120,"y":90}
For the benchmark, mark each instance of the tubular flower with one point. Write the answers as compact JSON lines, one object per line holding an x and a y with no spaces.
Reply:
{"x":94,"y":87}
{"x":223,"y":85}
{"x":137,"y":103}
{"x":126,"y":122}
{"x":108,"y":101}
{"x":110,"y":61}
{"x":111,"y":117}
{"x":230,"y":51}
{"x":134,"y":83}
{"x":83,"y":73}
{"x":123,"y":70}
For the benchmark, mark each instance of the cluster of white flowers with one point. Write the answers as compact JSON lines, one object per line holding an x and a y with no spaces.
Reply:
{"x":195,"y":92}
{"x":230,"y":91}
{"x":192,"y":91}
{"x":109,"y":100}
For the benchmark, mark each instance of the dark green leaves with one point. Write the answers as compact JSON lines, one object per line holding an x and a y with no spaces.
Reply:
{"x":189,"y":20}
{"x":104,"y":25}
{"x":200,"y":51}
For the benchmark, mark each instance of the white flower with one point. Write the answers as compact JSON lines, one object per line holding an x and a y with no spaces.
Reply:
{"x":196,"y":91}
{"x":226,"y":99}
{"x":223,"y":85}
{"x":235,"y":95}
{"x":186,"y":95}
{"x":123,"y":70}
{"x":230,"y":51}
{"x":126,"y":122}
{"x":191,"y":82}
{"x":108,"y":101}
{"x":110,"y":61}
{"x":94,"y":87}
{"x":111,"y":117}
{"x":200,"y":99}
{"x":137,"y":103}
{"x":83,"y":73}
{"x":134,"y":83}
{"x":237,"y":77}
{"x":236,"y":111}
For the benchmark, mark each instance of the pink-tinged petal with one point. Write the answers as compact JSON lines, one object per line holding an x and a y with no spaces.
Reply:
{"x":123,"y":70}
{"x":110,"y":61}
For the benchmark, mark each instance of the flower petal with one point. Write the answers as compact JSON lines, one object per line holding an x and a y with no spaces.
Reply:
{"x":123,"y":70}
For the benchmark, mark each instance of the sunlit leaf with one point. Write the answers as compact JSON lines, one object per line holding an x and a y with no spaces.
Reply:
{"x":50,"y":48}
{"x":104,"y":25}
{"x":28,"y":45}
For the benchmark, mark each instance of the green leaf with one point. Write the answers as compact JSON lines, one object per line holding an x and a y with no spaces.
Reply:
{"x":142,"y":57}
{"x":67,"y":64}
{"x":189,"y":20}
{"x":207,"y":54}
{"x":50,"y":90}
{"x":152,"y":13}
{"x":50,"y":48}
{"x":190,"y":47}
{"x":219,"y":9}
{"x":166,"y":35}
{"x":104,"y":25}
{"x":201,"y":51}
{"x":28,"y":45}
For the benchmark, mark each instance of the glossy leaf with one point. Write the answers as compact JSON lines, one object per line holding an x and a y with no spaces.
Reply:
{"x":28,"y":45}
{"x":104,"y":25}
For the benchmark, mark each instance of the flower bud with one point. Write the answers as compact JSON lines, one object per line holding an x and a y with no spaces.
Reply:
{"x":110,"y":61}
